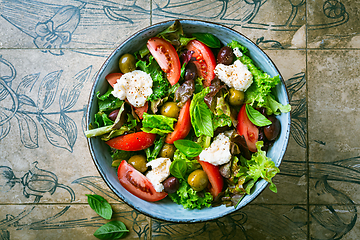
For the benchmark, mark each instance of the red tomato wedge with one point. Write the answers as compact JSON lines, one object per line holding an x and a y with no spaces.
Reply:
{"x":167,"y":58}
{"x":215,"y":178}
{"x":133,"y":141}
{"x":140,"y":110}
{"x":183,"y":125}
{"x":112,"y":78}
{"x":205,"y":60}
{"x":246,"y":128}
{"x":137,"y":184}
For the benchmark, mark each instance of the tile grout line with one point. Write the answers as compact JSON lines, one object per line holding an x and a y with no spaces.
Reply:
{"x":307,"y":125}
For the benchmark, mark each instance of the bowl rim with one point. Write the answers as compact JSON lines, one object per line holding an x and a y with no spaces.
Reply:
{"x":112,"y":188}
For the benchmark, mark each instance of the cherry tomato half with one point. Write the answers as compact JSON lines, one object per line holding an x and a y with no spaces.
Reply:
{"x":215,"y":178}
{"x":205,"y":60}
{"x":246,"y":128}
{"x":133,"y":141}
{"x":167,"y":58}
{"x":113,"y":77}
{"x":138,"y":184}
{"x":183,"y":125}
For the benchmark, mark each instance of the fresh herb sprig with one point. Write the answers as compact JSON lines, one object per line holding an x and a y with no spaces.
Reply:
{"x":111,"y":230}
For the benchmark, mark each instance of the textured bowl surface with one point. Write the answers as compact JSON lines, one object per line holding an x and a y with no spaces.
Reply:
{"x":165,"y":209}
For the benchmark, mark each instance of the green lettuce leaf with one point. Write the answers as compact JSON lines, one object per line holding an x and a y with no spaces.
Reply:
{"x":191,"y":164}
{"x":189,"y":198}
{"x":161,"y":85}
{"x":257,"y":94}
{"x":107,"y":102}
{"x":158,"y":124}
{"x":259,"y":166}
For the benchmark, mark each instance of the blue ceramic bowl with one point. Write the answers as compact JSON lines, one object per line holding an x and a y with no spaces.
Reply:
{"x":165,"y":209}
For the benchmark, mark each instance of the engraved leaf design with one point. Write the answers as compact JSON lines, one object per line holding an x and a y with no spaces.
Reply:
{"x":28,"y":130}
{"x":25,"y":87}
{"x":55,"y":134}
{"x":298,"y":122}
{"x":48,"y":89}
{"x":295,"y":83}
{"x":69,"y":95}
{"x":69,"y":127}
{"x":4,"y":129}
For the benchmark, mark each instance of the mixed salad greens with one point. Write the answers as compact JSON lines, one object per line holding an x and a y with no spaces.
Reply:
{"x":194,"y":138}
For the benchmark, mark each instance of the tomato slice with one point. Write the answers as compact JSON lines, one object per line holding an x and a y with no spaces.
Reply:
{"x":183,"y":125}
{"x":246,"y":128}
{"x":167,"y":58}
{"x":215,"y":178}
{"x":133,"y":141}
{"x":112,"y":78}
{"x":205,"y":60}
{"x":138,"y":184}
{"x":140,"y":110}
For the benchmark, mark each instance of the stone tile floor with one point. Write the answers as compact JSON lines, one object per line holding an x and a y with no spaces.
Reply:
{"x":45,"y":167}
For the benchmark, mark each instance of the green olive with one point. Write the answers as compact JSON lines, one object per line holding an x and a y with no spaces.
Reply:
{"x":170,"y":109}
{"x":167,"y":151}
{"x":127,"y":63}
{"x":198,"y":180}
{"x":138,"y":162}
{"x":236,"y":97}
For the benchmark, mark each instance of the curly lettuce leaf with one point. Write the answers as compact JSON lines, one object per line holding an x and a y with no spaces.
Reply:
{"x":161,"y":85}
{"x":259,"y":166}
{"x":258,"y":93}
{"x":189,"y":198}
{"x":107,"y":102}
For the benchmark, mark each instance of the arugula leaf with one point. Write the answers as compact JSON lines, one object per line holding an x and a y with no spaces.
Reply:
{"x":208,"y":39}
{"x":189,"y":198}
{"x":100,"y":205}
{"x":256,"y":117}
{"x":187,"y":147}
{"x":178,"y":168}
{"x":200,"y":115}
{"x":111,"y":230}
{"x":158,"y":124}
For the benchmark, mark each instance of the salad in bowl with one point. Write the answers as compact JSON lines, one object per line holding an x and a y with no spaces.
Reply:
{"x":186,"y":119}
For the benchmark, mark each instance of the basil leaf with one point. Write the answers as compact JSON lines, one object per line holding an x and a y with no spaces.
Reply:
{"x":100,"y":206}
{"x":256,"y":117}
{"x":201,"y":115}
{"x":178,"y":168}
{"x":111,"y":230}
{"x":187,"y":147}
{"x":208,"y":39}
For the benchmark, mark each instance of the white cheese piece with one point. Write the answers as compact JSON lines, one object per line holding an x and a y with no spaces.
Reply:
{"x":160,"y":170}
{"x":219,"y":151}
{"x":135,"y":86}
{"x":237,"y":52}
{"x":236,"y":75}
